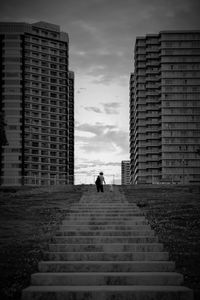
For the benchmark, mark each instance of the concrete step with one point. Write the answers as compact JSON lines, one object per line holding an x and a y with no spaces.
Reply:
{"x":104,"y":200}
{"x":106,"y":222}
{"x":105,"y":250}
{"x":117,"y":256}
{"x":104,"y":239}
{"x":104,"y":215}
{"x":107,"y":292}
{"x":103,"y":209}
{"x":105,"y":233}
{"x":107,"y":278}
{"x":102,"y":218}
{"x":106,"y":266}
{"x":105,"y":247}
{"x":104,"y":205}
{"x":105,"y":227}
{"x":106,"y":212}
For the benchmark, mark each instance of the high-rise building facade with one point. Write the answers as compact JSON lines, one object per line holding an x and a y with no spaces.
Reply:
{"x":70,"y":163}
{"x":165,"y":108}
{"x":125,"y":172}
{"x":37,"y":104}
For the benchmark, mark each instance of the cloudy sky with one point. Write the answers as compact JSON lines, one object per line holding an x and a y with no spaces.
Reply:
{"x":102,"y":35}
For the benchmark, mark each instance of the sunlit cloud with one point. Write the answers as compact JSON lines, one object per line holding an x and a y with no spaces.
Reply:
{"x":111,"y":108}
{"x":106,"y":138}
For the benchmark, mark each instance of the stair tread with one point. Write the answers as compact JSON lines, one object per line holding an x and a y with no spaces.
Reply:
{"x":140,"y":269}
{"x":123,"y":244}
{"x":107,"y":273}
{"x":108,"y":288}
{"x":106,"y":262}
{"x":117,"y":252}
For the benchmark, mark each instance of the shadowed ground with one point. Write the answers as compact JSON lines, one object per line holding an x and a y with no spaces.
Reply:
{"x":30,"y":218}
{"x":174,"y":214}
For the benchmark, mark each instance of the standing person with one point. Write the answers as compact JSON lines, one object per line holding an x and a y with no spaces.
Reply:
{"x":99,"y":182}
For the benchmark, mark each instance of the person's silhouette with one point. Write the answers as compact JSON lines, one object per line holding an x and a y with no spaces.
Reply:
{"x":99,"y":182}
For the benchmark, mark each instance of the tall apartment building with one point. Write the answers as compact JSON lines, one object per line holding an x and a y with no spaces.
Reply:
{"x":37,"y":102}
{"x":125,"y":172}
{"x":70,"y":164}
{"x":165,"y":108}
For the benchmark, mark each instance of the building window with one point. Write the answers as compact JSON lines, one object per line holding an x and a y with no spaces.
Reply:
{"x":35,"y":144}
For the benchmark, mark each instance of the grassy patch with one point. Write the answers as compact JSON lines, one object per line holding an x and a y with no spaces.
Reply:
{"x":29,"y":219}
{"x":174,"y":214}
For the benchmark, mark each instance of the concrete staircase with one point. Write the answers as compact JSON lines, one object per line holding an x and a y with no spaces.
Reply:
{"x":105,"y":249}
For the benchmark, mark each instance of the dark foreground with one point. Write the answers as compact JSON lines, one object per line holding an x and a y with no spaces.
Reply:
{"x":30,"y":218}
{"x":174,"y":213}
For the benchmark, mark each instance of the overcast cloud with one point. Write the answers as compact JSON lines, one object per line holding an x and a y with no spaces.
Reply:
{"x":102,"y":32}
{"x":111,"y":108}
{"x":93,"y":109}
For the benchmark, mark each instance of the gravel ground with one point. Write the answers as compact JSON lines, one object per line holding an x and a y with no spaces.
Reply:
{"x":174,"y":213}
{"x":28,"y":220}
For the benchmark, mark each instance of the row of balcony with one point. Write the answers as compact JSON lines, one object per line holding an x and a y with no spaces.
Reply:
{"x":46,"y":79}
{"x":48,"y":124}
{"x":47,"y":145}
{"x":47,"y":117}
{"x":41,"y":138}
{"x":47,"y":161}
{"x":30,"y":48}
{"x":45,"y":93}
{"x":46,"y":72}
{"x":163,"y":53}
{"x":32,"y":107}
{"x":30,"y":62}
{"x":32,"y":167}
{"x":32,"y":40}
{"x":44,"y":100}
